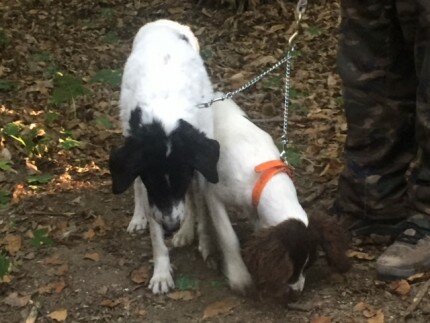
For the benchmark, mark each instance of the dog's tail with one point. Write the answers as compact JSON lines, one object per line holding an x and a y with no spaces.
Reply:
{"x":333,"y":239}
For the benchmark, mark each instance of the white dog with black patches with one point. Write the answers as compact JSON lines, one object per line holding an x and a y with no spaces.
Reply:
{"x":167,"y":138}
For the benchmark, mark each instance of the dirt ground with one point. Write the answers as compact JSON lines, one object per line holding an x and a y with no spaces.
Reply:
{"x":69,"y":255}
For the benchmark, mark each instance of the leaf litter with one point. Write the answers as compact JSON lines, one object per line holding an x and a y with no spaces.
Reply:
{"x":58,"y":122}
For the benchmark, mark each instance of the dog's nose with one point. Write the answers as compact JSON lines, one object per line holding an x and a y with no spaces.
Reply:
{"x":170,"y":228}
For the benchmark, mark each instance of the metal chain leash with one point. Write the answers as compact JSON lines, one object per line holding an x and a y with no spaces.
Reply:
{"x":287,"y":87}
{"x":300,"y":10}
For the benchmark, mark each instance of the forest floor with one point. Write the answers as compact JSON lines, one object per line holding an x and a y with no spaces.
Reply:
{"x":65,"y":254}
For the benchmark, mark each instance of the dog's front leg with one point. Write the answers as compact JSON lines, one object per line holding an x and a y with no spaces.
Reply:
{"x":141,"y":207}
{"x":235,"y":269}
{"x":185,"y":235}
{"x":161,"y":280}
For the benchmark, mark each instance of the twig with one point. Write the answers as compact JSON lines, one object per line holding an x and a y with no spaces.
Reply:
{"x":32,"y":316}
{"x":417,"y":299}
{"x":299,"y":307}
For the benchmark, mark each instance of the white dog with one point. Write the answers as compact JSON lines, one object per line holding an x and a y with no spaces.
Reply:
{"x":252,"y":178}
{"x":167,"y":138}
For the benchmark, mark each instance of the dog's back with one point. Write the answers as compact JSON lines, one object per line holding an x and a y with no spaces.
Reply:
{"x":243,"y":147}
{"x":164,"y":76}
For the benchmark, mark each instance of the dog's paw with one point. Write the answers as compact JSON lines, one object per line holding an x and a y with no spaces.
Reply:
{"x":239,"y":278}
{"x":205,"y":246}
{"x":137,"y":224}
{"x":161,"y":283}
{"x":183,"y":238}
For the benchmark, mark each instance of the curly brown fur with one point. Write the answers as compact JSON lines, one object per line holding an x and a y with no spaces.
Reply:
{"x":276,"y":256}
{"x":333,"y":239}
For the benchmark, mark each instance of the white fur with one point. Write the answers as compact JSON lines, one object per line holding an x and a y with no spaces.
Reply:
{"x":165,"y":77}
{"x":244,"y":146}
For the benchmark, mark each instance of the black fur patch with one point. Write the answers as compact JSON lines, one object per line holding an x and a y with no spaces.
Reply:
{"x":166,"y":175}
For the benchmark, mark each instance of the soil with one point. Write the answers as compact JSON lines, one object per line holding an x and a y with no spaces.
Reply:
{"x":88,"y":265}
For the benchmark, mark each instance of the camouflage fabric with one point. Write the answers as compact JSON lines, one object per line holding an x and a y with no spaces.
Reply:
{"x":384,"y":62}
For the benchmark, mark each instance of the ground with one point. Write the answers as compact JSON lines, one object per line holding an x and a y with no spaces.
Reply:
{"x":65,"y":253}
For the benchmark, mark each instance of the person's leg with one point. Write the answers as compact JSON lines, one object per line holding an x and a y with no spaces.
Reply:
{"x":410,"y":253}
{"x":420,"y":180}
{"x":379,"y":83}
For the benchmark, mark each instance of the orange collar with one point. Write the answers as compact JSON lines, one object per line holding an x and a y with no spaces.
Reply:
{"x":268,"y":170}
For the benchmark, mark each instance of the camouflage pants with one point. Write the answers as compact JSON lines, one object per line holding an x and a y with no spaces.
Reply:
{"x":384,"y":62}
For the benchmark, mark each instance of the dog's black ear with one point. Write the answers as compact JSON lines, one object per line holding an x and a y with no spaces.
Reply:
{"x":206,"y":156}
{"x":202,"y":151}
{"x":124,"y":166}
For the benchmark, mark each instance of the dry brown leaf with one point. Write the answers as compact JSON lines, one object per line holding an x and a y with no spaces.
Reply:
{"x":416,"y":277}
{"x":6,"y":279}
{"x":41,"y":86}
{"x":361,"y":306}
{"x":359,"y":255}
{"x":141,"y":312}
{"x":59,"y":286}
{"x":54,"y":260}
{"x":218,"y":308}
{"x":62,"y":270}
{"x":321,"y":319}
{"x":99,"y":223}
{"x":400,"y":287}
{"x":275,"y":28}
{"x":89,"y":234}
{"x":185,"y":295}
{"x":13,"y":299}
{"x":377,"y":318}
{"x":18,"y":192}
{"x":140,"y":275}
{"x":12,"y":243}
{"x":110,"y":303}
{"x":92,"y":256}
{"x":59,"y":315}
{"x":31,"y":168}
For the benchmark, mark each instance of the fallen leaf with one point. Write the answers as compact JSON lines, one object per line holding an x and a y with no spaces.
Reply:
{"x":141,"y":312}
{"x":359,"y":255}
{"x":18,"y":192}
{"x":13,"y":244}
{"x":54,"y":260}
{"x":31,"y":168}
{"x":378,"y":318}
{"x":400,"y":287}
{"x":41,"y":86}
{"x":6,"y":279}
{"x":220,"y":307}
{"x":92,"y":256}
{"x":62,"y":270}
{"x":110,"y":303}
{"x":321,"y":319}
{"x":183,"y":295}
{"x":416,"y":277}
{"x":140,"y":275}
{"x":16,"y":301}
{"x":59,"y":286}
{"x":89,"y":234}
{"x":59,"y":315}
{"x":361,"y":306}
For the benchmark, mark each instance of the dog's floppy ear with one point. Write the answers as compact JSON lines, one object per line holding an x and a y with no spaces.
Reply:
{"x":333,"y":239}
{"x":124,"y":166}
{"x":202,"y":151}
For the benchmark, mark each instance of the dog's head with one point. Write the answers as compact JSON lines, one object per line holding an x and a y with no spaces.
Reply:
{"x":165,"y":164}
{"x":277,"y":257}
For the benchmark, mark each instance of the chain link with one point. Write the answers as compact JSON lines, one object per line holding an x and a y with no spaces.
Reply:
{"x":247,"y":85}
{"x":287,"y":87}
{"x":300,"y":10}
